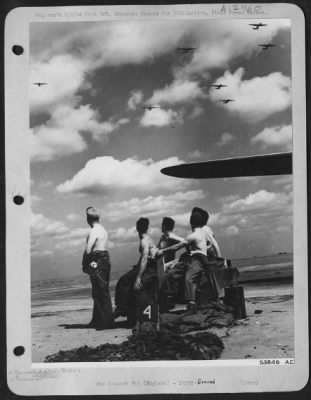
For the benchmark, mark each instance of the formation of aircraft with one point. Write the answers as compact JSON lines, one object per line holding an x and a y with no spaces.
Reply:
{"x":226,"y":101}
{"x":39,"y":83}
{"x":267,"y":46}
{"x":257,"y":26}
{"x":218,"y":86}
{"x":186,"y":49}
{"x":150,"y":107}
{"x":257,"y":165}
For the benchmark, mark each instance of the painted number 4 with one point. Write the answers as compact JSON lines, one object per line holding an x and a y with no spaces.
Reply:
{"x":147,"y":311}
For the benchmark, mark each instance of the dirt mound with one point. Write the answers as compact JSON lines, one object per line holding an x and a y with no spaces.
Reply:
{"x":213,"y":314}
{"x":163,"y":345}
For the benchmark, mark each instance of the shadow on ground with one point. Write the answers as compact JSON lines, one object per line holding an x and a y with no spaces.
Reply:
{"x":116,"y":325}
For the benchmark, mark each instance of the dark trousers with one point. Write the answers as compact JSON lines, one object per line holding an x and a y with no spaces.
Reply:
{"x":173,"y":283}
{"x":124,"y":293}
{"x":200,"y":270}
{"x":129,"y":301}
{"x":189,"y":273}
{"x":173,"y":279}
{"x":194,"y":272}
{"x":102,"y":309}
{"x":147,"y":295}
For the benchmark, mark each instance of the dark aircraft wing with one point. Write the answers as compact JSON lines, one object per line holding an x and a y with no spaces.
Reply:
{"x":267,"y":164}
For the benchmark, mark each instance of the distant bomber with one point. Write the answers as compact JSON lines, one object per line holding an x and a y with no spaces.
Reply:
{"x":186,"y":49}
{"x":266,"y":46}
{"x":226,"y":101}
{"x":217,"y":87}
{"x":39,"y":83}
{"x":257,"y":26}
{"x":150,"y":107}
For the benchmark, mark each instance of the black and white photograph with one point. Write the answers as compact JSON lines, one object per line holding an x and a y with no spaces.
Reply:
{"x":161,"y":181}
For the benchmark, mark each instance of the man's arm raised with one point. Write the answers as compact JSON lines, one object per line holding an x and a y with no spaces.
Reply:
{"x":175,"y":247}
{"x":173,"y":236}
{"x":213,"y":241}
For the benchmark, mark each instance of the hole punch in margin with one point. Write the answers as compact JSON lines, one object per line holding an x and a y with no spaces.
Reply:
{"x":17,"y":49}
{"x":19,"y":350}
{"x":18,"y":199}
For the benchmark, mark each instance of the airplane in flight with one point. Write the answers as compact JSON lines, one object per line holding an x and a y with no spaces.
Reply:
{"x":267,"y":46}
{"x":226,"y":101}
{"x":149,"y":108}
{"x":257,"y":26}
{"x":257,"y":165}
{"x":186,"y":49}
{"x":39,"y":83}
{"x":218,"y":86}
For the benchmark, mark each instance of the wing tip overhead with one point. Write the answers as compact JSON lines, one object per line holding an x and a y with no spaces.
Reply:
{"x":258,"y":165}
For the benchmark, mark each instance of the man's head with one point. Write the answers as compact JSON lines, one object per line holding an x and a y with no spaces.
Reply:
{"x":204,"y":214}
{"x":167,"y":224}
{"x":142,"y":225}
{"x":92,"y":215}
{"x":196,"y":220}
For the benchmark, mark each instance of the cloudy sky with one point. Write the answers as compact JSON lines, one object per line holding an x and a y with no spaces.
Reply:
{"x":93,"y":143}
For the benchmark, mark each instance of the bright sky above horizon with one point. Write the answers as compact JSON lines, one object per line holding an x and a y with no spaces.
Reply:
{"x":93,"y":143}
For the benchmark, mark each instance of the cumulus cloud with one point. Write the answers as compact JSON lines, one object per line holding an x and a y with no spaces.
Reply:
{"x":64,"y":75}
{"x":71,"y":239}
{"x":254,"y":99}
{"x":135,"y":42}
{"x":69,"y":244}
{"x":277,"y":136}
{"x":225,"y":139}
{"x":48,"y":143}
{"x":66,"y":61}
{"x":179,"y":91}
{"x":103,"y":173}
{"x":73,"y":217}
{"x":119,"y":43}
{"x":159,"y":117}
{"x":61,"y":135}
{"x":125,"y":236}
{"x":182,"y":219}
{"x":43,"y":226}
{"x":262,"y":199}
{"x":35,"y":199}
{"x":152,"y":205}
{"x":232,"y":230}
{"x":135,"y":99}
{"x":219,"y":42}
{"x":41,"y":253}
{"x":286,"y":182}
{"x":195,"y":154}
{"x":76,"y":233}
{"x":196,"y":111}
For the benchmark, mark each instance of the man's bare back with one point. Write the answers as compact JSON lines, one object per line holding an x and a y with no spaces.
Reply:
{"x":197,"y":241}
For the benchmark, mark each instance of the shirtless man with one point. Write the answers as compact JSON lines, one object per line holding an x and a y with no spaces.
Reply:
{"x":197,"y":247}
{"x":96,"y":263}
{"x":136,"y":287}
{"x":212,"y":245}
{"x":169,"y":238}
{"x":147,"y":251}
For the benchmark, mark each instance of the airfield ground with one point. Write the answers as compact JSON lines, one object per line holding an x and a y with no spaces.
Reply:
{"x":267,"y":332}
